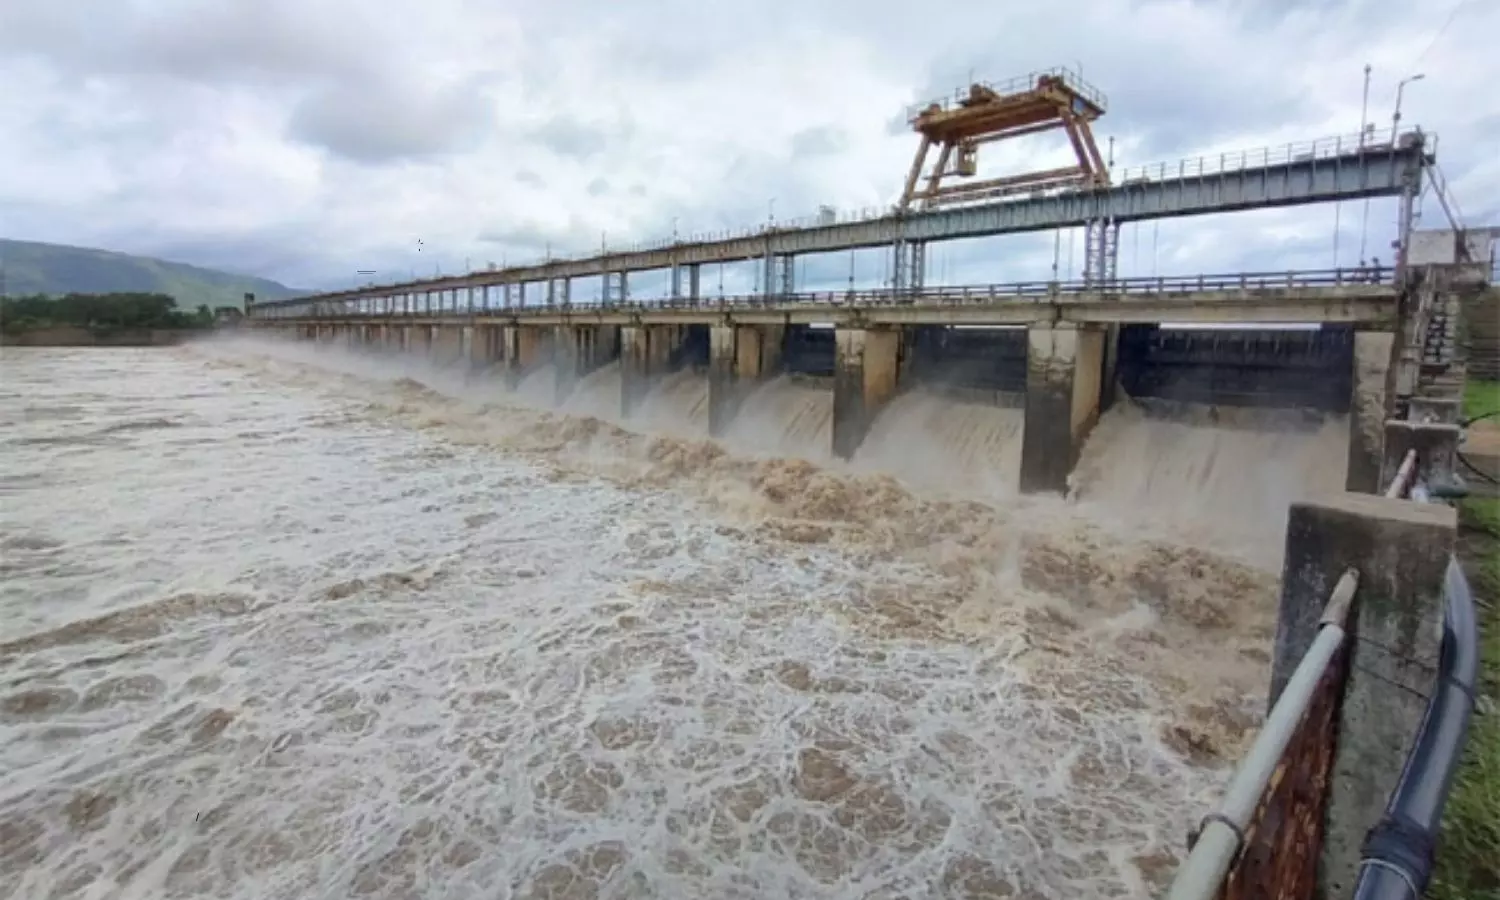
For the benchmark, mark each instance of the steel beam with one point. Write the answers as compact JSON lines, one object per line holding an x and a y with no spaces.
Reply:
{"x":1318,"y":172}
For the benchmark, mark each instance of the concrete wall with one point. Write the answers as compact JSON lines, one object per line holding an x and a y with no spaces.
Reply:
{"x":646,"y":354}
{"x":1400,"y":551}
{"x":1369,"y":407}
{"x":866,"y":365}
{"x":1064,"y":368}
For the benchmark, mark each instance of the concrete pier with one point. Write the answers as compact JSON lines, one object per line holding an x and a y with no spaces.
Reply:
{"x":1369,"y":407}
{"x":447,"y":345}
{"x":866,"y":363}
{"x":1064,"y":369}
{"x":579,"y":350}
{"x":645,"y":356}
{"x":1400,"y":550}
{"x":523,"y":351}
{"x":740,"y":356}
{"x":485,"y":346}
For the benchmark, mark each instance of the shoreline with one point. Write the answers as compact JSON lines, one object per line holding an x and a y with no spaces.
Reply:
{"x":74,"y":336}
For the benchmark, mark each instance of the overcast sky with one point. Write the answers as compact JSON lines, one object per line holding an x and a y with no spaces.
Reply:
{"x":303,"y":140}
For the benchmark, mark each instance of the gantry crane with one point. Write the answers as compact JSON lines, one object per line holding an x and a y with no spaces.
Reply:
{"x":987,"y":113}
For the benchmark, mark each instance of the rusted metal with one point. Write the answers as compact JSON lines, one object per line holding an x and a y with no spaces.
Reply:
{"x":1280,"y":857}
{"x":987,"y":113}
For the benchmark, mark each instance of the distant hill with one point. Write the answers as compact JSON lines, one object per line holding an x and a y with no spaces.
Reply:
{"x":33,"y":268}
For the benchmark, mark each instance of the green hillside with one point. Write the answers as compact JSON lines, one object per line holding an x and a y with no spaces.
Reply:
{"x":33,"y":268}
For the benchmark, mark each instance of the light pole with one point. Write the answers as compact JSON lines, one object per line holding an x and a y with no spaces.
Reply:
{"x":1396,"y":115}
{"x":1364,"y":129}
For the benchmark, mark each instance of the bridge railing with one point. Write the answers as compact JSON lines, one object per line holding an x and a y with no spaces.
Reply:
{"x":947,"y":296}
{"x":1199,"y":166}
{"x":1266,"y":836}
{"x":1231,"y":161}
{"x":1254,"y":844}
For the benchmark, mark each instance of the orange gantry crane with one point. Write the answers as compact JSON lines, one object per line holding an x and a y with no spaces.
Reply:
{"x":987,"y":113}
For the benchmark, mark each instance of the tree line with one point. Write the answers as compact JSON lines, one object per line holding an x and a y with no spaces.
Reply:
{"x":102,"y":312}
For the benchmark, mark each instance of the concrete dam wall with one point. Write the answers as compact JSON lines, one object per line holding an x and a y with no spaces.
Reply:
{"x":1010,"y":407}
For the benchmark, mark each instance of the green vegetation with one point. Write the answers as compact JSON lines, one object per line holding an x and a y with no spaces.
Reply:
{"x":99,"y":312}
{"x":1481,"y":397}
{"x":54,"y":269}
{"x":1469,"y":848}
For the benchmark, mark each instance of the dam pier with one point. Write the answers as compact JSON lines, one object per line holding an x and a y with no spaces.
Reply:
{"x":1063,"y":354}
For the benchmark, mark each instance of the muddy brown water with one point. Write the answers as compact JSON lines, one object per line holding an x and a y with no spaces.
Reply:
{"x":285,"y":623}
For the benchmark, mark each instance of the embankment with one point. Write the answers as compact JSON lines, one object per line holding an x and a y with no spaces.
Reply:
{"x":74,"y":336}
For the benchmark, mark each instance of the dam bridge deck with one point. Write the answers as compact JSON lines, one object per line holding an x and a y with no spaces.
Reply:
{"x":1360,"y":296}
{"x":1349,"y":167}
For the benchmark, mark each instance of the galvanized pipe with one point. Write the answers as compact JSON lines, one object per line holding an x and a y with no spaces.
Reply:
{"x":1221,"y":837}
{"x":1399,"y":484}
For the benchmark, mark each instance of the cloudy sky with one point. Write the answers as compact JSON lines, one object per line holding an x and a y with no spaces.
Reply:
{"x":304,"y":140}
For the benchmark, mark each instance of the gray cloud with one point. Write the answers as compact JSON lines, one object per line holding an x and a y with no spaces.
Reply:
{"x":571,"y":138}
{"x":820,"y":141}
{"x":279,"y":137}
{"x":373,"y":123}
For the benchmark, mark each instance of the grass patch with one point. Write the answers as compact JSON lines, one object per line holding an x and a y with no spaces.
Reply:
{"x":1468,"y":865}
{"x":1481,"y":397}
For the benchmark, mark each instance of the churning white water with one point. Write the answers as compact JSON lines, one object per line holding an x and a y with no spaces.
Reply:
{"x":282,"y":623}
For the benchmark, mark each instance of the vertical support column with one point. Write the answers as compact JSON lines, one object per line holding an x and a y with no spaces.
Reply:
{"x":483,"y":347}
{"x":522,"y":351}
{"x":694,"y":283}
{"x":788,"y":283}
{"x":734,"y":357}
{"x":645,"y":355}
{"x":676,"y":281}
{"x":570,"y":347}
{"x":1369,"y":407}
{"x":566,"y":294}
{"x":908,"y":265}
{"x":864,"y":378}
{"x":1109,"y":376}
{"x":1400,"y":550}
{"x":1064,"y":364}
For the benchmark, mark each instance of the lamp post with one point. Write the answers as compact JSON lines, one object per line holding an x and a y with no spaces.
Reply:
{"x":1396,"y":114}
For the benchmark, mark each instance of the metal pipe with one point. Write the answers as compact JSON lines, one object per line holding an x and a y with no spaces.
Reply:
{"x":1398,"y":486}
{"x":1398,"y":852}
{"x":1219,"y":840}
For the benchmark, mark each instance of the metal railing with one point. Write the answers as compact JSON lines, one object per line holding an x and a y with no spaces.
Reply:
{"x":1200,"y":166}
{"x":1225,"y":832}
{"x":1232,"y":161}
{"x":1397,"y":858}
{"x":1015,"y":85}
{"x":968,"y":295}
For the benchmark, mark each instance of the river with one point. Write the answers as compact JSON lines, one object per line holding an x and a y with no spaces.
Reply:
{"x":279,"y":624}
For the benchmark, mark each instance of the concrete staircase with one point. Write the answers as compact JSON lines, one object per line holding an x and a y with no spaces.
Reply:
{"x":1480,"y":340}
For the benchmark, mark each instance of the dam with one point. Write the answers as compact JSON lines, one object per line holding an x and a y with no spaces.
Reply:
{"x":1060,"y":361}
{"x":478,"y":586}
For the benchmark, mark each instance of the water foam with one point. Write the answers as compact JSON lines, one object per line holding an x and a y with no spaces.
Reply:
{"x":465,"y":647}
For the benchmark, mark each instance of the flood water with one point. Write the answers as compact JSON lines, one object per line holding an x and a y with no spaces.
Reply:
{"x":277,"y":623}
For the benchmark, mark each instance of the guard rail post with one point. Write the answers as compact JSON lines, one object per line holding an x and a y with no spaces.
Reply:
{"x":1400,"y":551}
